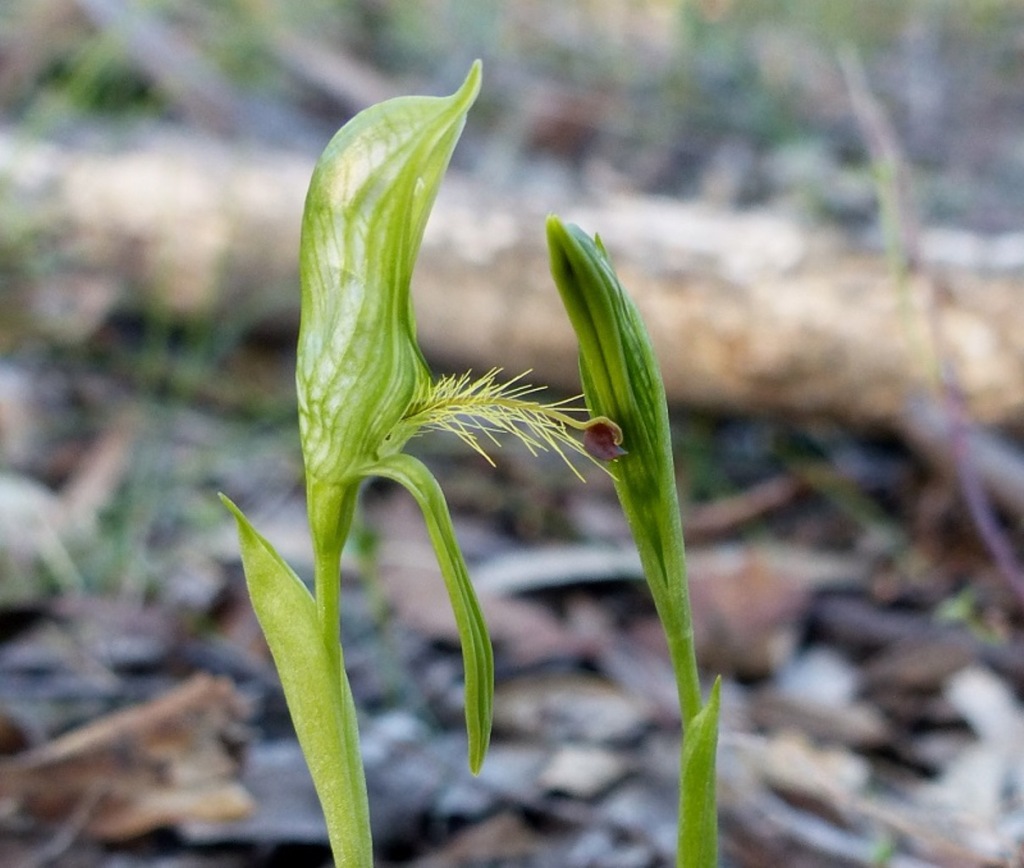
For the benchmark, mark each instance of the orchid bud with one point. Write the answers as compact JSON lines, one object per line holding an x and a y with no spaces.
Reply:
{"x":622,"y":381}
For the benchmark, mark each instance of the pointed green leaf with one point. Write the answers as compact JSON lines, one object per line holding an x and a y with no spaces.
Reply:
{"x":359,"y":365}
{"x":318,"y":696}
{"x":477,"y":655}
{"x":698,"y":825}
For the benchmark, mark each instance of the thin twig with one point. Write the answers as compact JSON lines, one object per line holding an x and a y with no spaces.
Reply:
{"x":905,"y":244}
{"x":729,"y":514}
{"x":70,"y":831}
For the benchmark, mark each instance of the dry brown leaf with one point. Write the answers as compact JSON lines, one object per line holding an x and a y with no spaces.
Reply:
{"x":174,"y":758}
{"x":917,"y":663}
{"x":570,"y":707}
{"x":504,"y":836}
{"x":855,"y":724}
{"x":748,"y":602}
{"x":412,"y":584}
{"x":583,"y":771}
{"x":37,"y":523}
{"x":792,"y":763}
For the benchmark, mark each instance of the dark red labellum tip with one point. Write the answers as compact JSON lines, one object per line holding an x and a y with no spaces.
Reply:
{"x":601,"y":439}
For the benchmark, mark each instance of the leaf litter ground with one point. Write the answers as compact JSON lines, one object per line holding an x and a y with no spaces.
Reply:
{"x":872,"y":657}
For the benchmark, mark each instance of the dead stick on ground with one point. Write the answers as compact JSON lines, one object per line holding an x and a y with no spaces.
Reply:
{"x":905,"y":241}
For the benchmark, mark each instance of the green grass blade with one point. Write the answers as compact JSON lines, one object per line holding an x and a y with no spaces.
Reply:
{"x":318,"y":695}
{"x":477,"y":655}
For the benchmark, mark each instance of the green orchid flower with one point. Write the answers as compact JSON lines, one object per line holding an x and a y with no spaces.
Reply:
{"x":364,"y":389}
{"x":621,"y":380}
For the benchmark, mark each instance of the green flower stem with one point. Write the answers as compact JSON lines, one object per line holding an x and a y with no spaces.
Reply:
{"x":344,"y":801}
{"x":331,"y":508}
{"x":698,"y":821}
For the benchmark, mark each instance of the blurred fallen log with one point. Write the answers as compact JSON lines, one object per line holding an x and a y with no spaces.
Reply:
{"x":332,"y":72}
{"x":173,"y":759}
{"x":749,"y":312}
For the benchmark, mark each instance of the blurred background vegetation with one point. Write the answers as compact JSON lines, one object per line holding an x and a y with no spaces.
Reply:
{"x":739,"y":100}
{"x":733,"y":102}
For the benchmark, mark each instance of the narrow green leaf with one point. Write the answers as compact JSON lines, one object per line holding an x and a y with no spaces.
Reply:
{"x":698,"y":826}
{"x":477,"y":655}
{"x":318,"y":696}
{"x":359,"y":365}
